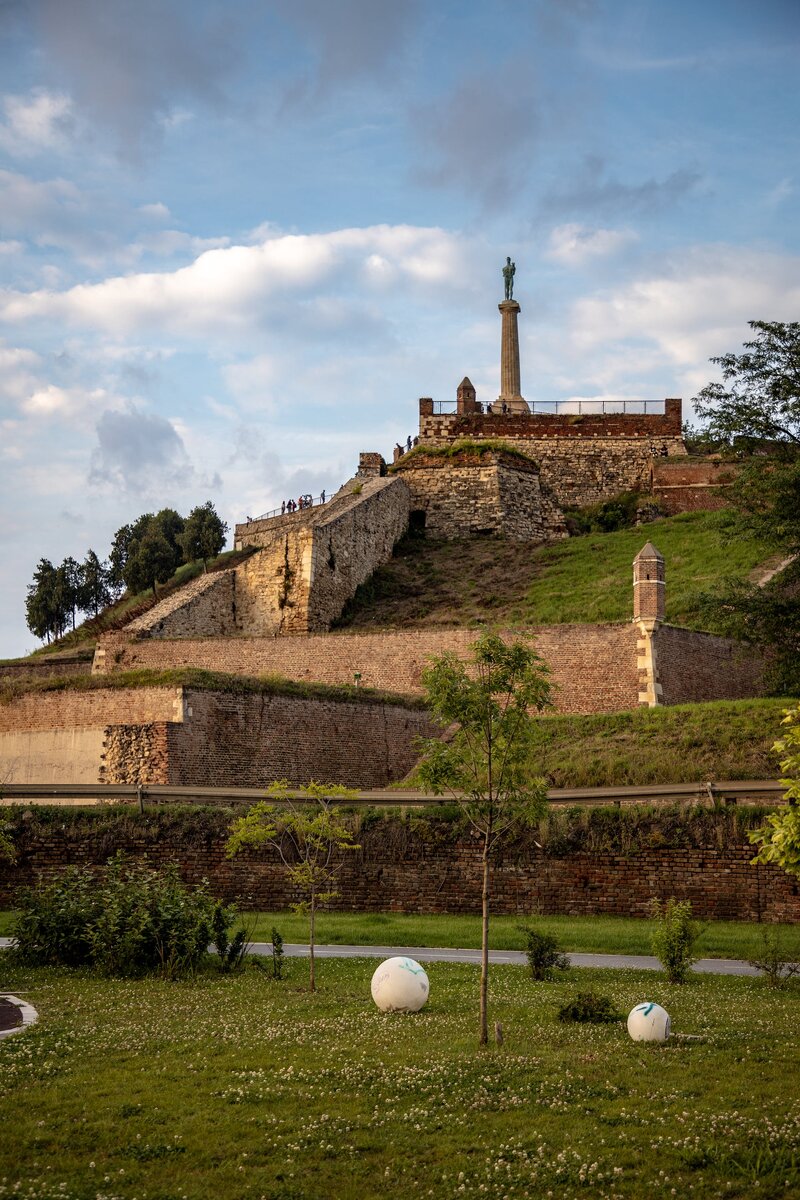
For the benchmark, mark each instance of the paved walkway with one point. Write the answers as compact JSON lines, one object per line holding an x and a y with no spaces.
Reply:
{"x":637,"y":962}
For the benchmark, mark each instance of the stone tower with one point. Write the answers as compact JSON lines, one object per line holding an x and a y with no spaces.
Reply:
{"x":510,"y":393}
{"x":649,"y":584}
{"x":466,"y":397}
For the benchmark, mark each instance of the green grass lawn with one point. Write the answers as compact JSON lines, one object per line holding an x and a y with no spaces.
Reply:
{"x":589,"y":578}
{"x":599,"y":935}
{"x":235,"y":1087}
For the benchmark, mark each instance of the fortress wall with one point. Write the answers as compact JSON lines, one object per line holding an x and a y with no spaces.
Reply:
{"x":204,"y":606}
{"x":185,"y":736}
{"x":593,"y":667}
{"x":693,"y":666}
{"x":470,"y":494}
{"x":91,"y":709}
{"x":351,"y":543}
{"x":272,"y":587}
{"x":397,"y":871}
{"x":578,"y":470}
{"x":690,"y":486}
{"x":47,"y":666}
{"x":252,"y":740}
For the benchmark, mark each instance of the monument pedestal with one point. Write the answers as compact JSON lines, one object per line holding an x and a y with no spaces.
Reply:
{"x":510,"y":394}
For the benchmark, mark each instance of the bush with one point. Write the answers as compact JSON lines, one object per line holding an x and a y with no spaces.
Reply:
{"x":772,"y":963}
{"x":674,"y":937}
{"x":543,"y":954}
{"x":129,"y":920}
{"x":589,"y":1007}
{"x":605,"y":517}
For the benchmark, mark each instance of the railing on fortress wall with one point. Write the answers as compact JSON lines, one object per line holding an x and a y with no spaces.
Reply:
{"x":308,"y":501}
{"x":715,"y":793}
{"x":555,"y":408}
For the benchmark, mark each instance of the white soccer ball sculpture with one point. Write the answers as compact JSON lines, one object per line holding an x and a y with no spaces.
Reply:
{"x":648,"y":1023}
{"x":400,"y":985}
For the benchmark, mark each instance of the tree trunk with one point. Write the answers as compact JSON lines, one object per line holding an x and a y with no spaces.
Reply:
{"x":484,"y":1021}
{"x":312,"y":983}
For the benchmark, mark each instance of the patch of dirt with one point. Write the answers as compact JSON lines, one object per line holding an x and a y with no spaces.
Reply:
{"x":10,"y":1015}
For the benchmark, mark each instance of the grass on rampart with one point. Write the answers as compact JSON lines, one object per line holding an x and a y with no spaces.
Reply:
{"x":587,"y":579}
{"x":207,"y":681}
{"x":465,"y":446}
{"x":228,"y":1087}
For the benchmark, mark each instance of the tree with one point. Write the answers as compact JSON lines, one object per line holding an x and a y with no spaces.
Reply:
{"x":69,"y":583}
{"x":120,"y":549}
{"x":779,"y":839}
{"x":94,"y":592}
{"x":760,"y":396}
{"x":486,"y":763}
{"x":762,"y":401}
{"x":203,"y":534}
{"x":308,"y":838}
{"x":149,"y":561}
{"x":40,"y":600}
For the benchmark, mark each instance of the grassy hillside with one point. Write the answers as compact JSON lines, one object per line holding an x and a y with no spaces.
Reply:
{"x":431,"y":582}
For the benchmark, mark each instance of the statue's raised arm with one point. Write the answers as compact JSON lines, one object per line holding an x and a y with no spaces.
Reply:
{"x":509,"y":271}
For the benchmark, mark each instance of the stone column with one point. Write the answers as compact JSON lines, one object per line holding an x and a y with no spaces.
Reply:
{"x":509,"y":360}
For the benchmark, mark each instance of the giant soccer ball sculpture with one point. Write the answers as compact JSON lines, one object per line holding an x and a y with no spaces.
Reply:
{"x":648,"y":1023}
{"x":400,"y":985}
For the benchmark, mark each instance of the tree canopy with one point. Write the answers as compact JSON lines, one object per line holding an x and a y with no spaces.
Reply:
{"x":759,"y":398}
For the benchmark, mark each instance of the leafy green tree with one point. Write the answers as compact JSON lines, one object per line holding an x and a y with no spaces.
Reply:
{"x":150,"y":561}
{"x":170,"y":524}
{"x":120,"y":549}
{"x":309,"y":839}
{"x":779,"y":840}
{"x":41,"y":611}
{"x":94,"y":593}
{"x":203,"y":534}
{"x":761,"y":400}
{"x":486,"y":765}
{"x":69,"y":585}
{"x":760,"y":394}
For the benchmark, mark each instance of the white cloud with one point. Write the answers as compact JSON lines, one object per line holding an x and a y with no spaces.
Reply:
{"x":575,"y":244}
{"x":696,"y":306}
{"x":42,"y":120}
{"x":67,"y":403}
{"x":234,"y":287}
{"x":157,"y":210}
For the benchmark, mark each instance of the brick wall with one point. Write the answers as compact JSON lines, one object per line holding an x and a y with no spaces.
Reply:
{"x":593,"y":667}
{"x":398,"y":870}
{"x":183,"y":736}
{"x":694,"y":666}
{"x":690,"y":485}
{"x":47,"y":667}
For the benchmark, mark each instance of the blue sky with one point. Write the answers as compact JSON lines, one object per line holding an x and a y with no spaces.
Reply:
{"x":239,"y":240}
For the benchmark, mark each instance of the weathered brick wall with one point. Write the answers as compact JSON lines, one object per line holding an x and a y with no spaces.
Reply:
{"x":653,"y":426}
{"x":398,"y":871}
{"x":47,"y":667}
{"x":204,"y":607}
{"x":91,"y":709}
{"x":593,"y":667}
{"x":250,"y":741}
{"x":694,"y":666}
{"x":184,"y":736}
{"x":691,"y":485}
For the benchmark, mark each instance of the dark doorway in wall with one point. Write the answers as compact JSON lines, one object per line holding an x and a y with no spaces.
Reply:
{"x":416,"y":522}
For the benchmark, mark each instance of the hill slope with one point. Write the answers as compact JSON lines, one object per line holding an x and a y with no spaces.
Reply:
{"x":586,"y":579}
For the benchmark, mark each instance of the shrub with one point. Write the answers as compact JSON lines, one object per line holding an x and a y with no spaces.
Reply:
{"x":674,"y":937}
{"x":129,"y":920}
{"x":543,"y":954}
{"x":771,"y":962}
{"x":589,"y":1007}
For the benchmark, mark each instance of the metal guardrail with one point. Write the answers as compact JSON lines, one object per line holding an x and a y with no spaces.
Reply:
{"x":717,"y":793}
{"x":567,"y":407}
{"x":308,"y":502}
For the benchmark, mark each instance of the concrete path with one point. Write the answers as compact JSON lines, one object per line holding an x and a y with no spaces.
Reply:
{"x":636,"y":962}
